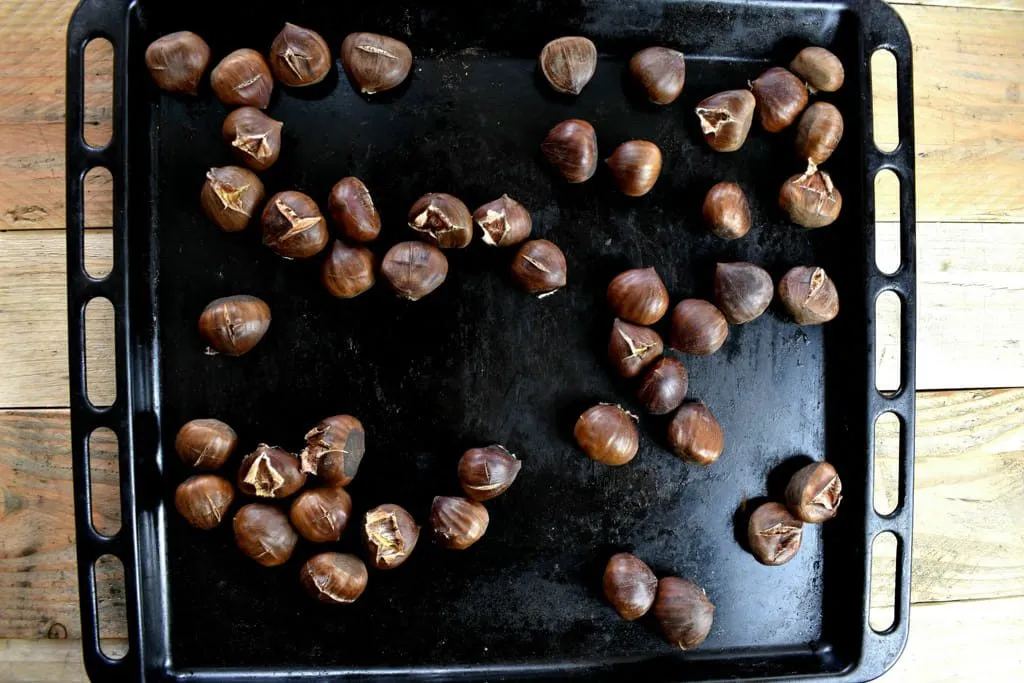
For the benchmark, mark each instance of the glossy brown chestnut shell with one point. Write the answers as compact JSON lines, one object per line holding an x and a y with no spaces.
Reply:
{"x":203,"y":500}
{"x":809,"y":295}
{"x":608,"y":434}
{"x":457,"y":523}
{"x":293,"y":225}
{"x":695,"y":435}
{"x":321,"y":515}
{"x":243,"y":79}
{"x":414,"y":269}
{"x":660,"y":72}
{"x":820,"y":68}
{"x":233,"y":325}
{"x":230,"y":196}
{"x":390,"y":534}
{"x":334,"y":450}
{"x":780,"y":96}
{"x":743,"y":291}
{"x":725,"y":119}
{"x":571,"y":147}
{"x":568,"y":63}
{"x":631,"y":348}
{"x":263,"y":533}
{"x":487,"y":472}
{"x":726,"y":211}
{"x":810,"y":199}
{"x":773,"y":534}
{"x":348,"y":271}
{"x":684,"y":612}
{"x":814,"y":493}
{"x":819,"y":132}
{"x":255,"y":138}
{"x":334,"y":578}
{"x":539,"y":267}
{"x":270,"y":472}
{"x":629,"y":585}
{"x":299,"y":56}
{"x":442,"y":220}
{"x":375,"y":63}
{"x":639,"y":296}
{"x":698,"y":327}
{"x":205,"y":444}
{"x":352,"y":209}
{"x":503,"y":222}
{"x":635,"y":166}
{"x":664,"y":385}
{"x":177,"y":62}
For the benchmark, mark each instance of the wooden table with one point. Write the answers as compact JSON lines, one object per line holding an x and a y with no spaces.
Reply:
{"x":968,"y":583}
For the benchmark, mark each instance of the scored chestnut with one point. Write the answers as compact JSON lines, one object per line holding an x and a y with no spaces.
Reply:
{"x":177,"y":61}
{"x":639,"y":296}
{"x":457,"y":523}
{"x":814,"y":493}
{"x":487,"y":472}
{"x":243,"y":79}
{"x":780,"y":96}
{"x":375,"y":63}
{"x":320,"y":515}
{"x":390,"y":534}
{"x":698,"y":327}
{"x":263,"y":533}
{"x":635,"y":167}
{"x":695,"y":435}
{"x":293,"y":225}
{"x":725,"y":119}
{"x":743,"y":291}
{"x":773,"y":534}
{"x":631,"y":348}
{"x":664,"y":385}
{"x":414,"y":269}
{"x":571,"y":147}
{"x":334,"y":578}
{"x":809,"y":294}
{"x":443,"y":220}
{"x":819,"y":132}
{"x":299,"y":56}
{"x":255,"y":138}
{"x":270,"y":472}
{"x":607,"y":434}
{"x":348,"y":271}
{"x":503,"y":222}
{"x":230,"y":196}
{"x":726,"y":211}
{"x":820,"y":68}
{"x":568,"y":63}
{"x":233,"y":325}
{"x":810,"y":199}
{"x":660,"y":72}
{"x":205,"y":444}
{"x":203,"y":500}
{"x":351,"y":207}
{"x":629,"y":585}
{"x":684,"y":612}
{"x":334,"y":450}
{"x":539,"y":268}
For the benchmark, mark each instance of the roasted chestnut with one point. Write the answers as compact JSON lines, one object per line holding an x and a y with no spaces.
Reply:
{"x":230,"y":196}
{"x":630,"y":585}
{"x":390,"y":534}
{"x":414,"y":269}
{"x":203,"y":500}
{"x":819,"y":132}
{"x":177,"y":62}
{"x":334,"y":450}
{"x":743,"y":291}
{"x":631,"y":348}
{"x":810,"y":199}
{"x":725,"y":119}
{"x":255,"y":138}
{"x":663,"y":387}
{"x":243,"y":79}
{"x":820,"y":68}
{"x":539,"y":267}
{"x":780,"y":96}
{"x":660,"y":72}
{"x":487,"y":472}
{"x":442,"y":220}
{"x":698,"y":327}
{"x":635,"y":167}
{"x":375,"y":63}
{"x":571,"y":147}
{"x":270,"y":472}
{"x":334,"y":578}
{"x":293,"y":225}
{"x":205,"y":444}
{"x":299,"y":57}
{"x":814,"y":493}
{"x":726,"y":211}
{"x":638,"y":295}
{"x":569,"y":63}
{"x":234,"y":324}
{"x":607,"y":433}
{"x":695,"y":435}
{"x":457,"y":523}
{"x":352,"y":209}
{"x":348,"y":271}
{"x":773,"y":534}
{"x":684,"y":612}
{"x":503,"y":222}
{"x":320,"y":515}
{"x":263,"y":533}
{"x":809,"y":294}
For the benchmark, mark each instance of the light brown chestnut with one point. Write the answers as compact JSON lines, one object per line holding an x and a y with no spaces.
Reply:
{"x":255,"y":138}
{"x":664,"y":385}
{"x":270,"y":472}
{"x":348,"y":271}
{"x":320,"y":515}
{"x":205,"y":444}
{"x":629,"y":585}
{"x":539,"y":267}
{"x":503,"y":222}
{"x":243,"y":79}
{"x":725,"y":119}
{"x":568,"y":63}
{"x":414,"y":269}
{"x":698,"y":327}
{"x":639,"y":296}
{"x":299,"y":56}
{"x":607,"y":434}
{"x":203,"y":500}
{"x":487,"y":472}
{"x":262,"y":532}
{"x":814,"y":493}
{"x":177,"y":62}
{"x":635,"y":167}
{"x":375,"y":63}
{"x":743,"y":291}
{"x":457,"y":523}
{"x":820,"y":68}
{"x":293,"y":225}
{"x":695,"y":435}
{"x":233,"y":325}
{"x":631,"y":348}
{"x":773,"y":534}
{"x":809,"y":294}
{"x":571,"y":147}
{"x":352,"y":209}
{"x":819,"y":132}
{"x":443,"y":220}
{"x":660,"y":72}
{"x":780,"y":96}
{"x":230,"y":196}
{"x":390,"y":534}
{"x":810,"y":199}
{"x":334,"y":578}
{"x":726,"y":211}
{"x":334,"y":450}
{"x":684,"y":612}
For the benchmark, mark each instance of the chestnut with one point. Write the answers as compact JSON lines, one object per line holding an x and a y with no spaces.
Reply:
{"x":230,"y":196}
{"x":571,"y":147}
{"x":334,"y":578}
{"x":270,"y":472}
{"x":809,"y":295}
{"x":660,"y":72}
{"x":375,"y":63}
{"x":820,"y":68}
{"x":684,"y":612}
{"x":743,"y":291}
{"x":233,"y":325}
{"x":503,"y":222}
{"x":293,"y":225}
{"x":726,"y":211}
{"x":629,"y":585}
{"x":607,"y":433}
{"x":334,"y":450}
{"x":638,"y":295}
{"x":205,"y":444}
{"x":348,"y":271}
{"x":457,"y":523}
{"x":414,"y":269}
{"x":780,"y":98}
{"x":539,"y":267}
{"x":631,"y":348}
{"x":320,"y":515}
{"x":263,"y":533}
{"x":203,"y":500}
{"x":443,"y":220}
{"x":773,"y":534}
{"x":698,"y":328}
{"x":487,"y":472}
{"x":352,"y":209}
{"x":819,"y":132}
{"x":177,"y":62}
{"x":243,"y":79}
{"x":390,"y":534}
{"x":814,"y":493}
{"x":635,"y":167}
{"x":695,"y":435}
{"x":299,"y":56}
{"x":725,"y":119}
{"x":810,"y":199}
{"x":663,"y":387}
{"x":255,"y":138}
{"x":568,"y":63}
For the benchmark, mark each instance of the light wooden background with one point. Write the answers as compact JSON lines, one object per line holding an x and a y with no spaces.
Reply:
{"x":967,"y":622}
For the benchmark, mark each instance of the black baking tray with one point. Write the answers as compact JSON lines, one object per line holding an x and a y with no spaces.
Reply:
{"x":479,"y":361}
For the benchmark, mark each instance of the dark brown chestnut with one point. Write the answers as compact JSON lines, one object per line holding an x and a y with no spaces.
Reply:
{"x":629,"y":585}
{"x":820,"y":68}
{"x":390,"y":534}
{"x":743,"y":291}
{"x":539,"y":267}
{"x":487,"y":472}
{"x":635,"y":167}
{"x":773,"y":534}
{"x":233,"y":325}
{"x":334,"y":450}
{"x":503,"y":222}
{"x":814,"y":493}
{"x":663,"y":387}
{"x":230,"y":196}
{"x":177,"y":62}
{"x":810,"y":199}
{"x":607,"y":434}
{"x":568,"y":63}
{"x":243,"y":79}
{"x":809,"y":294}
{"x":334,"y":578}
{"x":631,"y":348}
{"x":442,"y":220}
{"x":299,"y":57}
{"x":684,"y":612}
{"x":352,"y":209}
{"x":638,"y":295}
{"x":293,"y":225}
{"x":203,"y":500}
{"x":698,"y":327}
{"x":725,"y":119}
{"x":695,"y":435}
{"x":270,"y":472}
{"x":819,"y":132}
{"x":348,"y":271}
{"x":726,"y":211}
{"x":320,"y":515}
{"x":571,"y":147}
{"x":780,"y":96}
{"x":205,"y":444}
{"x":375,"y":63}
{"x":255,"y":138}
{"x":263,"y":533}
{"x":457,"y":523}
{"x":414,"y":269}
{"x":660,"y":72}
